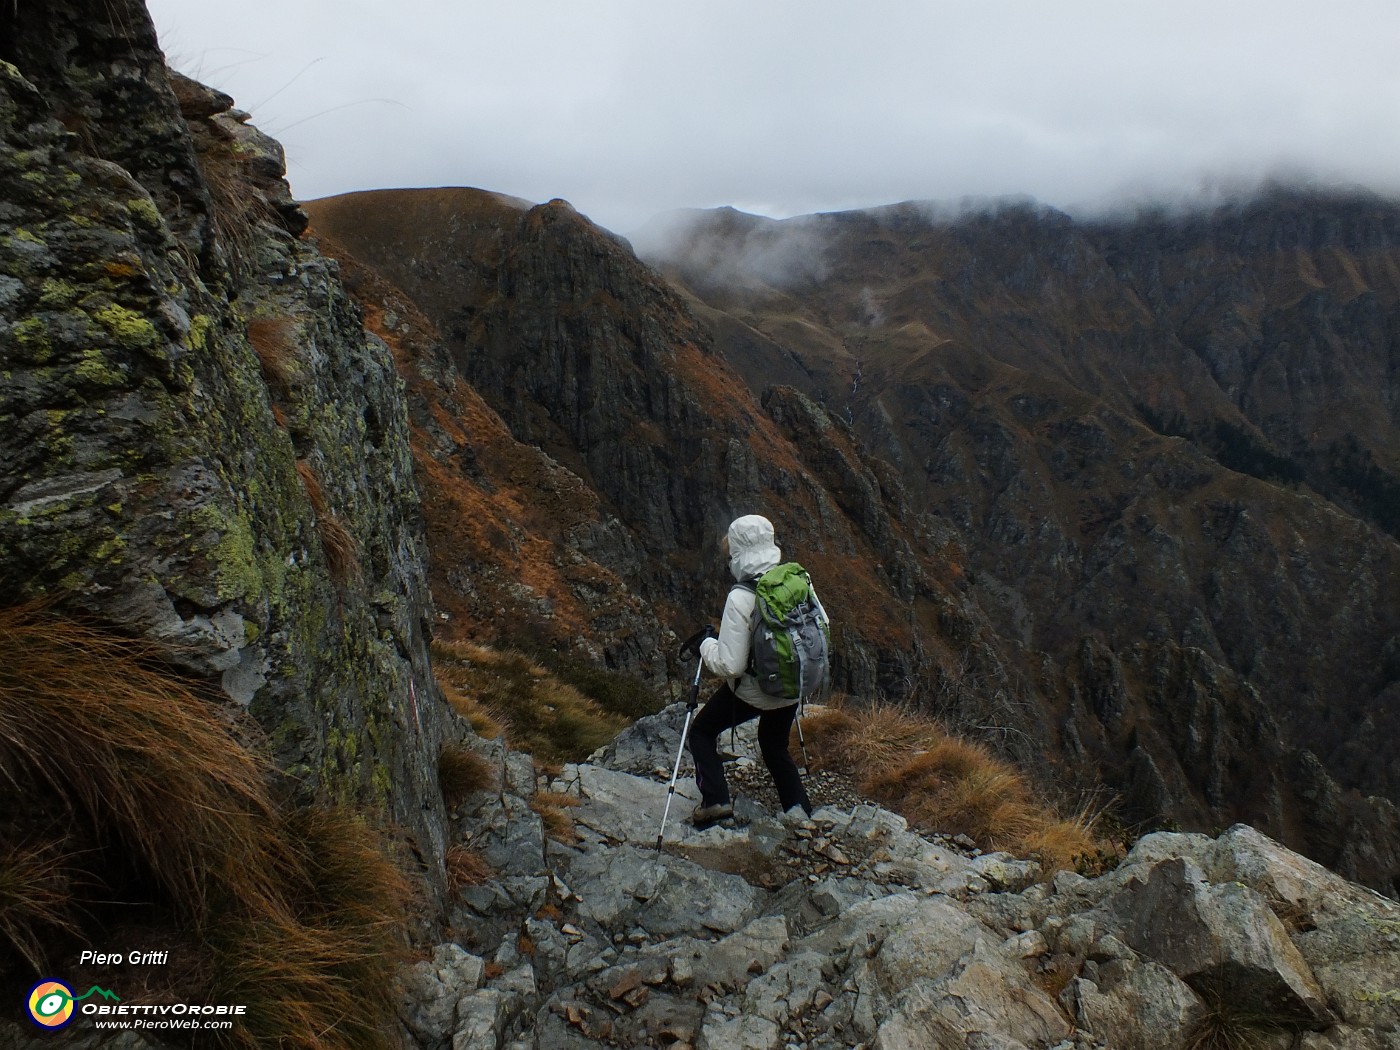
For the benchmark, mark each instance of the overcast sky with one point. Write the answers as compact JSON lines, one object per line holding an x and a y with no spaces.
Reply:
{"x":783,"y":107}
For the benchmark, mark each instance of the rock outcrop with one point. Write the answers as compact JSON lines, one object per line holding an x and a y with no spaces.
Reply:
{"x":205,"y":451}
{"x":852,"y":930}
{"x":202,"y":447}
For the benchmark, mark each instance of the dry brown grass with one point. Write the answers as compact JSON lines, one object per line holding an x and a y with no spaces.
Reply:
{"x":483,"y":722}
{"x":1228,"y":1026}
{"x":944,"y":783}
{"x":275,"y":342}
{"x":118,"y":745}
{"x":342,"y":552}
{"x":875,"y":736}
{"x":1055,"y":976}
{"x":466,"y":867}
{"x":303,"y":907}
{"x":552,"y":807}
{"x":317,"y":969}
{"x":461,"y":772}
{"x":36,"y":897}
{"x":537,"y":712}
{"x":239,"y":204}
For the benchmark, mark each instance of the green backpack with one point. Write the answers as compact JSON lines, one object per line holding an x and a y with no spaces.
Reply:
{"x":790,"y":643}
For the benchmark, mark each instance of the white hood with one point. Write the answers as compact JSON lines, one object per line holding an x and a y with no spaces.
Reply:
{"x":752,"y":551}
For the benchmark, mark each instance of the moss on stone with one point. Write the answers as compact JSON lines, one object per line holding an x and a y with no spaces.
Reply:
{"x":145,"y":210}
{"x":383,"y":785}
{"x":32,"y":336}
{"x":198,"y":336}
{"x":236,"y":569}
{"x":110,"y":550}
{"x":57,"y":294}
{"x":129,"y":328}
{"x":95,"y":368}
{"x":73,"y":581}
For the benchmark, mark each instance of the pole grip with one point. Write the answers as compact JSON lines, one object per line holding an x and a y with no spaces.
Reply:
{"x":695,"y":684}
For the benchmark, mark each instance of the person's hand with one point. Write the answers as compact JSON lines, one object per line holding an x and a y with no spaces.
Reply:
{"x":691,"y":646}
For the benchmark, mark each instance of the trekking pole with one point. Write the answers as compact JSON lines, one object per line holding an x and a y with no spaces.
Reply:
{"x":800,"y":740}
{"x":685,"y":730}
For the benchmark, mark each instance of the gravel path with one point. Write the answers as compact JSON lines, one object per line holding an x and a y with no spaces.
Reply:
{"x":825,"y":787}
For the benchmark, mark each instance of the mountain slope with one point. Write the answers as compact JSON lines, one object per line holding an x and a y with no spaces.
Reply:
{"x":1160,"y":526}
{"x":1031,"y":505}
{"x":587,"y":355}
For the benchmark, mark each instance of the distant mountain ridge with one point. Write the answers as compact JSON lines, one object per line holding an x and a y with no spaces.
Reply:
{"x":1097,"y":491}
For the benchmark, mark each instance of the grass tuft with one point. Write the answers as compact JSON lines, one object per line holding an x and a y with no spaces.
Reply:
{"x":461,"y":772}
{"x":304,"y":907}
{"x":1225,"y":1026}
{"x":342,"y":552}
{"x":622,"y":694}
{"x":36,"y":897}
{"x":143,"y":758}
{"x":317,"y":968}
{"x":466,"y":867}
{"x":239,"y":206}
{"x":552,"y":808}
{"x":944,"y":783}
{"x":275,"y":342}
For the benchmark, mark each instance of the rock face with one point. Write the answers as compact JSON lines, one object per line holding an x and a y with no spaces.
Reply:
{"x":850,"y":930}
{"x":201,"y":446}
{"x":523,"y":549}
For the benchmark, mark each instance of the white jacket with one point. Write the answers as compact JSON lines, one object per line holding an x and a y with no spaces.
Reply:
{"x":752,"y":552}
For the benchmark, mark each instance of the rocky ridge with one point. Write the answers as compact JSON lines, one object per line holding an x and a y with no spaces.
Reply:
{"x":203,"y":449}
{"x":849,"y":930}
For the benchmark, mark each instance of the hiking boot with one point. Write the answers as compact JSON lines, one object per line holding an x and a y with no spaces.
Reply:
{"x":709,"y":814}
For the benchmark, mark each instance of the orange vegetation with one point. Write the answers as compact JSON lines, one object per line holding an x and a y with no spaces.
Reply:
{"x":161,"y":805}
{"x":940,"y":782}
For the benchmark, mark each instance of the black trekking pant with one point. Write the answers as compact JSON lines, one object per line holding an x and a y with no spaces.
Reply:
{"x":723,"y":711}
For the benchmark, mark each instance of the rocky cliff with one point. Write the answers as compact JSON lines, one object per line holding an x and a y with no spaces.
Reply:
{"x":203,"y":450}
{"x":586,"y":355}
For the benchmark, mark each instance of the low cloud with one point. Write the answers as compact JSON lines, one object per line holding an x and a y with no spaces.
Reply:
{"x":735,"y":249}
{"x":786,"y":108}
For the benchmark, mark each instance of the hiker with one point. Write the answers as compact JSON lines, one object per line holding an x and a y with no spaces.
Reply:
{"x":752,"y":551}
